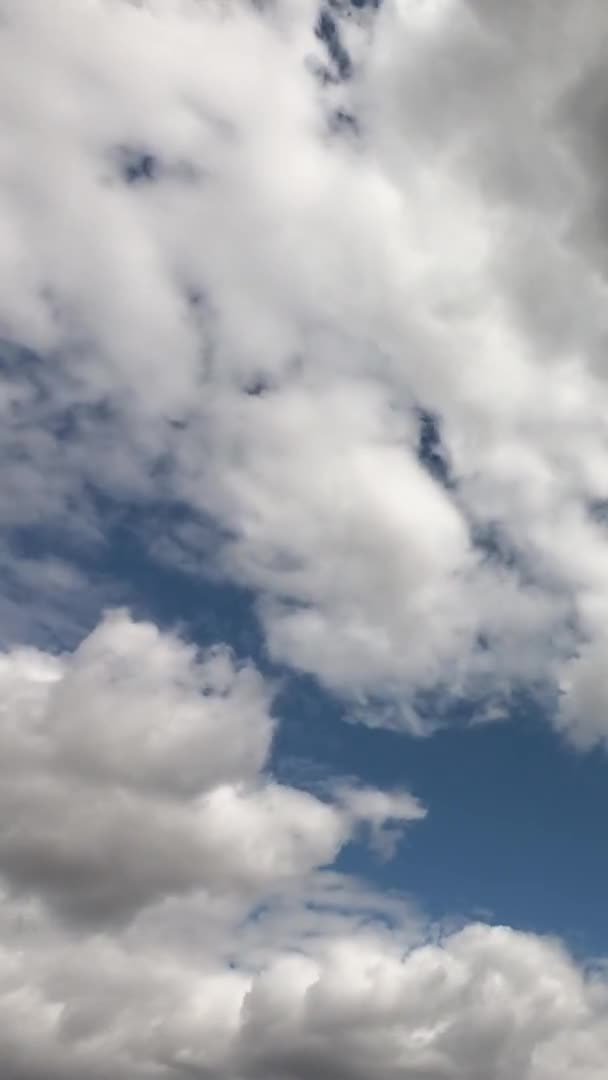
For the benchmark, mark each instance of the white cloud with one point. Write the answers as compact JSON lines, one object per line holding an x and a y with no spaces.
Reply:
{"x":141,"y":832}
{"x":376,"y":810}
{"x":164,"y":909}
{"x":451,"y":256}
{"x":439,"y":258}
{"x":250,"y":327}
{"x":484,"y":1002}
{"x":133,"y":769}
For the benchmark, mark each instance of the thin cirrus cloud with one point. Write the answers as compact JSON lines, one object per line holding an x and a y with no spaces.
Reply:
{"x":250,"y":256}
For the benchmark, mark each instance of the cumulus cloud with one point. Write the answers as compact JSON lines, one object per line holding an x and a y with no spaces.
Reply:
{"x":134,"y":769}
{"x":149,"y":863}
{"x":164,"y":910}
{"x":483,"y":1002}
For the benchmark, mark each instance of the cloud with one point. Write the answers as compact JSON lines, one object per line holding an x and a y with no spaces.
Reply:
{"x":283,"y":252}
{"x":215,"y":294}
{"x":149,"y":863}
{"x":164,"y":907}
{"x":239,"y":282}
{"x":134,"y":768}
{"x":215,"y":236}
{"x":382,"y":813}
{"x":484,"y":1002}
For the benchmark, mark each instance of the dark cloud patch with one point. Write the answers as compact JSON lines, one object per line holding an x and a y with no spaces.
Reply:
{"x":143,"y":167}
{"x":138,"y":166}
{"x":343,"y":122}
{"x":346,"y":7}
{"x":328,"y":31}
{"x":23,"y":372}
{"x":598,"y":510}
{"x":431,"y":451}
{"x":258,"y":387}
{"x":16,"y":358}
{"x":493,"y":540}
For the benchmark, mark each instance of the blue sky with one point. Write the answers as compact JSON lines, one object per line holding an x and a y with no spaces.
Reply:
{"x":303,"y":458}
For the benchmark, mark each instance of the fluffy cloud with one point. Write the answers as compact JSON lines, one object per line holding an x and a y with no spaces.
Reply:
{"x":141,"y":833}
{"x":480,"y":1003}
{"x":220,"y":290}
{"x":162,"y":911}
{"x":133,"y":769}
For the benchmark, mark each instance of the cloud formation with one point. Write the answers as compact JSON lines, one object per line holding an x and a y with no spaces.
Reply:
{"x":482,"y":1002}
{"x":218,"y":291}
{"x":334,"y":284}
{"x":134,"y":769}
{"x":163,"y":911}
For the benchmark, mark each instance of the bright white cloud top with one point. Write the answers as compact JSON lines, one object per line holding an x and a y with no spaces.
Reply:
{"x":238,"y":283}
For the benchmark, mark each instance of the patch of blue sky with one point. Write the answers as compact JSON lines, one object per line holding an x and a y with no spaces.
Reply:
{"x":514,"y":829}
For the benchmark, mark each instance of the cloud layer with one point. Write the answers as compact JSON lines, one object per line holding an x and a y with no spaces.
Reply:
{"x":163,"y":911}
{"x":219,"y":290}
{"x":330,"y":289}
{"x":341,"y":1001}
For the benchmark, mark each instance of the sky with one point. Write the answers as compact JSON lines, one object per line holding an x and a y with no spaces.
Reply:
{"x":303,"y":511}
